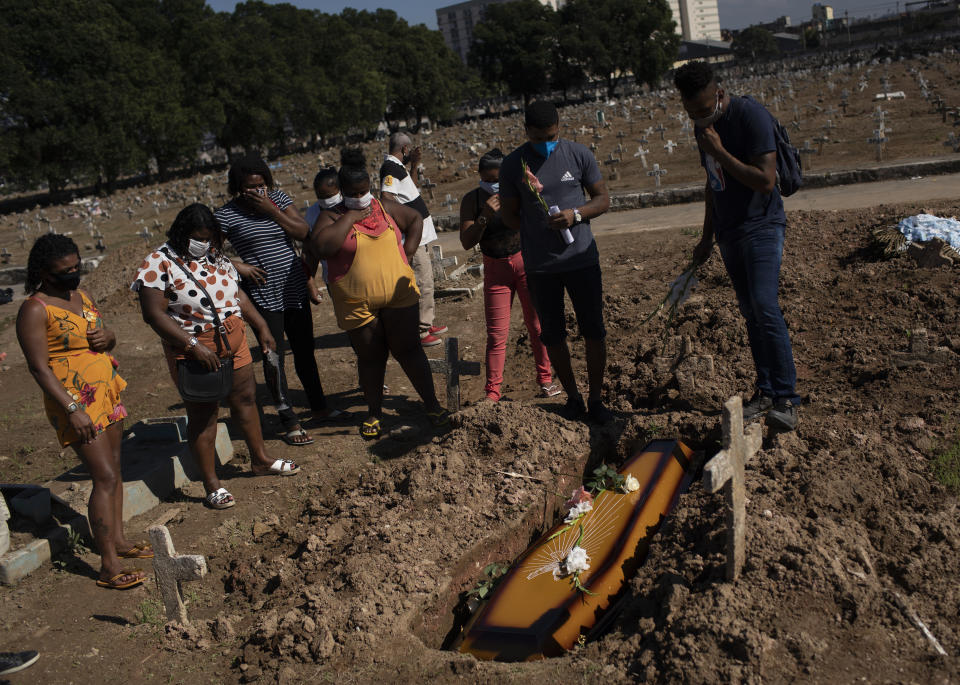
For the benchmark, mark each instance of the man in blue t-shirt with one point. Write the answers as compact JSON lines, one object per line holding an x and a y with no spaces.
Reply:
{"x":541,"y":195}
{"x":744,"y":213}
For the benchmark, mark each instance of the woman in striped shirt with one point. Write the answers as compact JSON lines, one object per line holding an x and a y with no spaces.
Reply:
{"x":262,"y":223}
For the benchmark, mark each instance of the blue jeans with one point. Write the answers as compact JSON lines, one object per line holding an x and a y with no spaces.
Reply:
{"x":752,"y":257}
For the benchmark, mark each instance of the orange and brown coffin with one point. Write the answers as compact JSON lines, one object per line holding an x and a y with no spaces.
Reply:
{"x":531,"y":614}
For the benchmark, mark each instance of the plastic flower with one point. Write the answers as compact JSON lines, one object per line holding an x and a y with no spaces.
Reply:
{"x":577,"y":560}
{"x":577,"y":510}
{"x":631,"y":484}
{"x":532,"y":180}
{"x":579,"y":495}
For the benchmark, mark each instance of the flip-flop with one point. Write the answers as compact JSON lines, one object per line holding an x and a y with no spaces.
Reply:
{"x":141,"y":550}
{"x":280,"y":467}
{"x":439,"y":418}
{"x":112,"y":584}
{"x":335,"y":416}
{"x":219,"y":499}
{"x":370,"y":429}
{"x":289,"y":436}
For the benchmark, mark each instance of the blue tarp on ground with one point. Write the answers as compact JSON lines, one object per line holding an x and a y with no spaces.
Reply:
{"x":925,"y":227}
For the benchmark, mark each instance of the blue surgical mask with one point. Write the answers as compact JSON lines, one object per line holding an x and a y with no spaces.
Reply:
{"x":492,"y":188}
{"x":545,"y":148}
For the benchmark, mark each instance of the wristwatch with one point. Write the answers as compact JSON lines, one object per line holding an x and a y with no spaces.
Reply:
{"x":72,"y":407}
{"x":577,"y":218}
{"x":191,"y":343}
{"x":482,"y":221}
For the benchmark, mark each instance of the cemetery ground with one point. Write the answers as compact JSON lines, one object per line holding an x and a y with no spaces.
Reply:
{"x":350,"y":572}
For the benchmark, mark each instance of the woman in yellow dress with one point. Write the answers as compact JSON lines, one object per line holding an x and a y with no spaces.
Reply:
{"x":66,"y":347}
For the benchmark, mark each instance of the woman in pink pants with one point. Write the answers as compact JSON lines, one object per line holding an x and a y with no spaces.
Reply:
{"x":503,"y":276}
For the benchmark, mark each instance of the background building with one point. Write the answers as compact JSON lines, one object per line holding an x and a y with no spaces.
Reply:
{"x":696,"y":19}
{"x":456,"y":22}
{"x":822,"y":13}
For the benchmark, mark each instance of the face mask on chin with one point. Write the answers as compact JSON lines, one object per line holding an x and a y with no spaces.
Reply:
{"x":545,"y":148}
{"x":331,"y":202}
{"x":492,"y":188}
{"x":361,"y":202}
{"x":198,"y":248}
{"x":712,"y":119}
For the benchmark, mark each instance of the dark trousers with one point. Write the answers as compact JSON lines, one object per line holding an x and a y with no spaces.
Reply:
{"x":753,"y":257}
{"x":298,"y":326}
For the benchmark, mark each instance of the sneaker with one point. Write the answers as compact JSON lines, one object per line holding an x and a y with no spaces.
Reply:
{"x":574,"y":409}
{"x":437,"y":330}
{"x":783,"y":416}
{"x":549,"y":390}
{"x":11,"y":662}
{"x":756,"y":405}
{"x":429,"y":340}
{"x":600,"y":413}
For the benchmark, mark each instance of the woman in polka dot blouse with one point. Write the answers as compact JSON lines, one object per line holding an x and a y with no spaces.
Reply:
{"x":181,"y":315}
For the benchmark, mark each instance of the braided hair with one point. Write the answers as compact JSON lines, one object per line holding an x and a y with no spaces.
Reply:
{"x":46,"y":249}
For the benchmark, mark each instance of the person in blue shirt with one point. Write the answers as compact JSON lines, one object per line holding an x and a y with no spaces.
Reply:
{"x":745,"y":217}
{"x":542,"y":186}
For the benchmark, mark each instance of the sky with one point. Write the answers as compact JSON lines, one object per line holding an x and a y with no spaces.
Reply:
{"x":734,"y":14}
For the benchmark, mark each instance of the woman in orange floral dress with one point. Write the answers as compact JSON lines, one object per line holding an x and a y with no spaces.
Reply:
{"x":66,"y":346}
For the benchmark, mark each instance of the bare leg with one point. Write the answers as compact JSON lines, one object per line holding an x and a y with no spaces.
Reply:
{"x":243,"y":411}
{"x":202,"y":437}
{"x":371,"y":348}
{"x":402,"y":329}
{"x":98,"y":459}
{"x":114,"y":437}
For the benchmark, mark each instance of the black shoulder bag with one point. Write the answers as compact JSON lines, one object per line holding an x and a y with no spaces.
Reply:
{"x":195,"y":381}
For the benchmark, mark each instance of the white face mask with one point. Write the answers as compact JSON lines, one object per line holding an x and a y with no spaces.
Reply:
{"x":358,"y":202}
{"x":198,"y":248}
{"x":331,"y":202}
{"x":710,"y":120}
{"x":492,"y":188}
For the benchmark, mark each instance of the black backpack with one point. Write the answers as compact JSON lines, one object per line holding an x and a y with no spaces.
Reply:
{"x":789,"y":164}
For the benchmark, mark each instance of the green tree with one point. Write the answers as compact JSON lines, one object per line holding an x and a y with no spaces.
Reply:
{"x":616,"y":38}
{"x":755,"y":43}
{"x":514,"y":45}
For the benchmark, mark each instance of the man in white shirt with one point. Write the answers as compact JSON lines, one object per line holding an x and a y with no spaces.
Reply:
{"x":397,"y":184}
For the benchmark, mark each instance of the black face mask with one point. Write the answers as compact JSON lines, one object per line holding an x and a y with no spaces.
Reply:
{"x":406,"y":159}
{"x":69,"y":281}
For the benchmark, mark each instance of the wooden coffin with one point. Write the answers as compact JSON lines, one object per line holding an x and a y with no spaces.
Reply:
{"x":532,"y":614}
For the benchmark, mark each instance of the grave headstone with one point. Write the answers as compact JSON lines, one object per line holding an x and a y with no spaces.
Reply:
{"x":452,"y":367}
{"x":726,"y":470}
{"x":657,"y":172}
{"x":172,"y":570}
{"x":669,"y":147}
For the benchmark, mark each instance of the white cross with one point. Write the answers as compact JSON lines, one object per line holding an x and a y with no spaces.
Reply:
{"x":657,"y":172}
{"x":725,"y":471}
{"x":171,"y":570}
{"x":669,"y":147}
{"x":642,"y":154}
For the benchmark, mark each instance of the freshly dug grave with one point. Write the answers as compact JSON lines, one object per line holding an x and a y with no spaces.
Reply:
{"x":352,"y":573}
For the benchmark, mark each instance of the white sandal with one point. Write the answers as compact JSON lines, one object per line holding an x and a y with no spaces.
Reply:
{"x":549,"y":390}
{"x":220,"y":499}
{"x":281,"y":467}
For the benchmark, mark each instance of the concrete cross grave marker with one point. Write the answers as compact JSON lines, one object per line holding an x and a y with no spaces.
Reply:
{"x":953,"y":142}
{"x":661,"y":129}
{"x":879,"y":139}
{"x":669,"y":147}
{"x":806,"y":151}
{"x":439,"y":262}
{"x":172,"y":570}
{"x":429,"y":185}
{"x":642,"y":154}
{"x":452,"y":367}
{"x":5,"y":256}
{"x":725,"y":471}
{"x":657,"y":172}
{"x":820,"y":140}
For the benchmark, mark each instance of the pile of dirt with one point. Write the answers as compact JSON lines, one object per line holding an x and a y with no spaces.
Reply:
{"x":846,"y":522}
